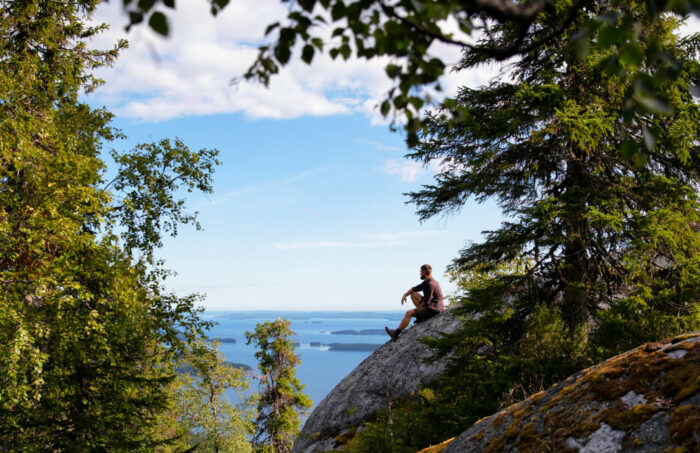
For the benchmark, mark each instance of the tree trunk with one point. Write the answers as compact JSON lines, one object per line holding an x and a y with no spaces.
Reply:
{"x":575,"y":271}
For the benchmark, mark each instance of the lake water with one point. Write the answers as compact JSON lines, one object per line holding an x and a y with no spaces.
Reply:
{"x":321,"y":368}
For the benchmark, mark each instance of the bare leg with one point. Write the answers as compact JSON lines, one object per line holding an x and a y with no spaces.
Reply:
{"x":417,"y":299}
{"x":406,"y":319}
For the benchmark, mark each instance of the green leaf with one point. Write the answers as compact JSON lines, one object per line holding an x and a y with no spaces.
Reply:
{"x":640,"y":160}
{"x":628,"y":149}
{"x":282,"y":53}
{"x":579,"y":42}
{"x":393,"y":70}
{"x":385,"y":108}
{"x":416,"y":102}
{"x":655,"y":105}
{"x":135,"y":18}
{"x":632,"y":56}
{"x":307,"y":54}
{"x":271,"y":27}
{"x":650,"y":136}
{"x":308,"y":5}
{"x":338,"y":11}
{"x":317,"y":42}
{"x":169,"y":3}
{"x":145,"y":5}
{"x":158,"y":23}
{"x":607,"y":36}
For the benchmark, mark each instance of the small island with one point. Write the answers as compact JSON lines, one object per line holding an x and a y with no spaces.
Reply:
{"x":222,"y":340}
{"x":359,"y":332}
{"x":365,"y":347}
{"x":353,"y":347}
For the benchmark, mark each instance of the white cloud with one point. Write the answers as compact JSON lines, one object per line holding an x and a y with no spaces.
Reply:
{"x":410,"y":171}
{"x":407,"y":170}
{"x":190,"y":72}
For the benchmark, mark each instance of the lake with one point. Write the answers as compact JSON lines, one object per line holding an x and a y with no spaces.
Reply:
{"x":322,"y":367}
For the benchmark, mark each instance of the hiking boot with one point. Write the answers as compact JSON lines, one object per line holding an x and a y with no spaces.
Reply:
{"x":394,"y":334}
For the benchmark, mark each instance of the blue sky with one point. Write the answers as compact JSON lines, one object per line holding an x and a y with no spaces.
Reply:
{"x":308,"y":211}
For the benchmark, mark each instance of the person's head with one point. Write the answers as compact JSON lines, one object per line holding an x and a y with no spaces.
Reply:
{"x":425,"y":271}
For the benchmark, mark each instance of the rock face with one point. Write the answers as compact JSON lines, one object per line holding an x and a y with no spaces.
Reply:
{"x":394,"y":370}
{"x":645,"y":400}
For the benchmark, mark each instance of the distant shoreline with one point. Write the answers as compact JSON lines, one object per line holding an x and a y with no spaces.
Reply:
{"x":365,"y":347}
{"x":304,"y":314}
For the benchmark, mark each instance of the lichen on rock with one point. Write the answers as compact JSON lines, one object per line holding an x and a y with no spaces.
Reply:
{"x":644,"y":400}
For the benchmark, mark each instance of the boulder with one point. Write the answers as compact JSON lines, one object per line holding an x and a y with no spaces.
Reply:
{"x":395,"y":370}
{"x":645,"y":400}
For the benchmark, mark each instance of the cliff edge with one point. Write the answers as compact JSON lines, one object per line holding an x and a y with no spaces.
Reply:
{"x":393,"y":371}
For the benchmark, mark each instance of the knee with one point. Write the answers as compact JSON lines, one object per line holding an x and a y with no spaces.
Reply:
{"x":410,"y":313}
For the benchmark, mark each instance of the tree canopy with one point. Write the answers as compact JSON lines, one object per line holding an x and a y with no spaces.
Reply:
{"x":88,"y":336}
{"x":200,"y":416}
{"x":603,"y":219}
{"x":600,"y":250}
{"x":282,"y":400}
{"x":487,"y":30}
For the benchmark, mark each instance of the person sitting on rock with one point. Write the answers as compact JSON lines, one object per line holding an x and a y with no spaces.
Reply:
{"x":427,"y":305}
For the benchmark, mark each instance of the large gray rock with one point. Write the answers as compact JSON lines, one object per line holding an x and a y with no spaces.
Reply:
{"x":392,"y":371}
{"x":643,"y":401}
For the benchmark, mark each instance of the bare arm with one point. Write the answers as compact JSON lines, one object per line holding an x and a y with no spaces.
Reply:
{"x":406,"y":294}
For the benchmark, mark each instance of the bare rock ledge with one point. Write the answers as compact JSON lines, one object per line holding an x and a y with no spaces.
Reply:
{"x":392,"y":371}
{"x":645,"y":400}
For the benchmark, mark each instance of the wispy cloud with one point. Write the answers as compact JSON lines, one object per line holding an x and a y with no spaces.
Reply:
{"x":410,"y":171}
{"x":406,"y":235}
{"x":378,"y":146}
{"x":330,"y":244}
{"x":265,"y":185}
{"x":374,"y":240}
{"x":407,"y":170}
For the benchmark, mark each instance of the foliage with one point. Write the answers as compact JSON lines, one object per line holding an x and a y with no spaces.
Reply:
{"x":201,"y":417}
{"x":147,"y":180}
{"x":281,"y":399}
{"x":489,"y":370}
{"x":88,"y":337}
{"x":601,"y":249}
{"x":401,"y":429}
{"x":606,"y":227}
{"x":487,"y":30}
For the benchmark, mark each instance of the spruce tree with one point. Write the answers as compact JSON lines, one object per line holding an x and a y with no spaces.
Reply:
{"x":601,"y":247}
{"x":601,"y":202}
{"x":281,"y":398}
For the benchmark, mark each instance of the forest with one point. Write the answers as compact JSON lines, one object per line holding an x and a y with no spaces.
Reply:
{"x":589,"y":147}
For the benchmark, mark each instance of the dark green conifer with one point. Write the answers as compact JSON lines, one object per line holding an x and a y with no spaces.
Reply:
{"x":601,"y":247}
{"x":602,"y":202}
{"x":281,"y":399}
